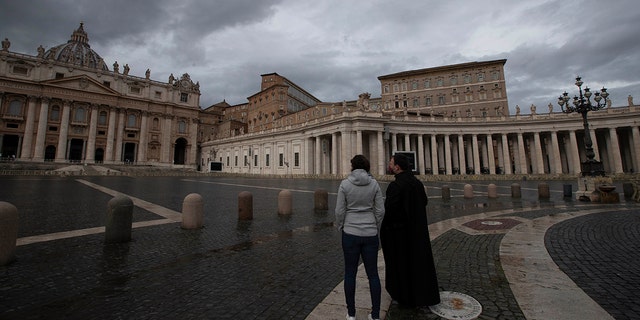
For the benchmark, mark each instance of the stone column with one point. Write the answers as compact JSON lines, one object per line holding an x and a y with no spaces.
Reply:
{"x":91,"y":143}
{"x":166,"y":148}
{"x":476,"y":154}
{"x":506,"y":156}
{"x":407,"y":142}
{"x":111,"y":131}
{"x":61,"y":150}
{"x":434,"y":155}
{"x":346,"y":152}
{"x":447,"y":154}
{"x":394,"y":143}
{"x":381,"y":154}
{"x":635,"y":133}
{"x":556,"y":164}
{"x":420,"y":158}
{"x":28,"y":130}
{"x":192,"y":145}
{"x":119,"y":135}
{"x":539,"y":165}
{"x":462,"y":163}
{"x":522,"y":156}
{"x":491,"y":155}
{"x":334,"y":153}
{"x":142,"y":147}
{"x":614,"y":146}
{"x":41,"y":134}
{"x":318,"y":153}
{"x":358,"y":142}
{"x":594,"y":140}
{"x":575,"y":154}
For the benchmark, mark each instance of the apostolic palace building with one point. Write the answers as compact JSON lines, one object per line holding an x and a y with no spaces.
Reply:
{"x":65,"y":104}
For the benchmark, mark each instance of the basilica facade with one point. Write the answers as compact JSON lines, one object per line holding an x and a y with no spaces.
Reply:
{"x":66,"y":105}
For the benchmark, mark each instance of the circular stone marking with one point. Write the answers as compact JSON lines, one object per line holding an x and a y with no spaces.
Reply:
{"x":455,"y":305}
{"x":491,"y":223}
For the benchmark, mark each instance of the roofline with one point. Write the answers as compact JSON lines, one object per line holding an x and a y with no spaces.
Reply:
{"x":442,"y":68}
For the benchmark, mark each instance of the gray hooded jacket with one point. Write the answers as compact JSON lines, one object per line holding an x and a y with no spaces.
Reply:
{"x":360,"y":206}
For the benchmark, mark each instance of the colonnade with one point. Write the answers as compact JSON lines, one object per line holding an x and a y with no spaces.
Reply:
{"x":550,"y":144}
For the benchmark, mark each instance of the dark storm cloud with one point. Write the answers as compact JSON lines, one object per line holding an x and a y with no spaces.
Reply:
{"x":336,"y":49}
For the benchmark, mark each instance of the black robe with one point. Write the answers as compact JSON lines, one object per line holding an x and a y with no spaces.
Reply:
{"x":410,"y":273}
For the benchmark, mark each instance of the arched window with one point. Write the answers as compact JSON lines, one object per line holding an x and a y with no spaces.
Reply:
{"x":182,"y":126}
{"x":156,"y":124}
{"x":131,"y":121}
{"x":15,"y":108}
{"x":55,"y":113}
{"x":102,"y":118}
{"x":80,"y":115}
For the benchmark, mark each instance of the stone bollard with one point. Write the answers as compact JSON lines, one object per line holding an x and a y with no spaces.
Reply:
{"x":192,"y":212}
{"x":284,"y":202}
{"x":516,"y":192}
{"x":8,"y":232}
{"x":245,"y":206}
{"x":468,"y":191}
{"x":119,"y":220}
{"x":492,"y":191}
{"x":446,"y":192}
{"x":543,"y":190}
{"x":321,"y":199}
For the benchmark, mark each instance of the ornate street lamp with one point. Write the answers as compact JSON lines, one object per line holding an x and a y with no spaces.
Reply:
{"x":583,"y":105}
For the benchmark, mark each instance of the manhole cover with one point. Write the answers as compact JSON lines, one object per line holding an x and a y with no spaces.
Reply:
{"x":455,"y":305}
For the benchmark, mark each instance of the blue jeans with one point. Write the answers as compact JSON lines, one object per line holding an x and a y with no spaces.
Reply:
{"x":355,"y":247}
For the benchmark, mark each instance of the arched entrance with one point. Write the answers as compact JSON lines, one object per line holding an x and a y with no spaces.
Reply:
{"x":10,"y":144}
{"x":99,"y":155}
{"x":50,"y":153}
{"x":129,"y":155}
{"x":179,"y":154}
{"x":75,"y":149}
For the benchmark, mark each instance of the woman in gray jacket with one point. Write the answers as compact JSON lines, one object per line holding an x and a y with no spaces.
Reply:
{"x":359,"y":213}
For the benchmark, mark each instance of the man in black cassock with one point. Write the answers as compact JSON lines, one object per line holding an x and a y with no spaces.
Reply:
{"x":410,"y":273}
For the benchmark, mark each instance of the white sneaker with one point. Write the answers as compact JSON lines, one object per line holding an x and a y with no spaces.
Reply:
{"x":351,"y":318}
{"x":370,"y":318}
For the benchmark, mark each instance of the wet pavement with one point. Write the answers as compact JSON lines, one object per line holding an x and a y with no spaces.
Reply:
{"x":290,"y":267}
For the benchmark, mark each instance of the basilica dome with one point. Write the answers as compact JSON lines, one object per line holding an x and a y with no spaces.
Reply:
{"x":77,"y":51}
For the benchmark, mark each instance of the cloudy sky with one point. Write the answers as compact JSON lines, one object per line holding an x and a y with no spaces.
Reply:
{"x":336,"y":49}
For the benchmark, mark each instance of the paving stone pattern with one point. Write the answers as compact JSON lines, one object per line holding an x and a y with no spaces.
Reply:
{"x":273,"y":267}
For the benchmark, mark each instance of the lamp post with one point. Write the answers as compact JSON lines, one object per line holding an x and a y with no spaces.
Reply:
{"x":582,"y":104}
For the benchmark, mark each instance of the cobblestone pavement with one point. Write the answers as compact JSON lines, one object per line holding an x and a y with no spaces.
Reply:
{"x":274,"y":266}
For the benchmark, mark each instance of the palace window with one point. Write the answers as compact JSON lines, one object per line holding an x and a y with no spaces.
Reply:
{"x":184,"y":97}
{"x":55,"y":113}
{"x":441,"y":100}
{"x":182,"y":126}
{"x":15,"y":108}
{"x":296,"y":159}
{"x":427,"y":84}
{"x":131,"y":121}
{"x":102,"y":118}
{"x":80,"y":115}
